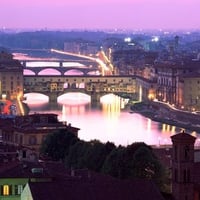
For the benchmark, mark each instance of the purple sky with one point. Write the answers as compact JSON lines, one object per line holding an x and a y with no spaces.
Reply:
{"x":89,"y":14}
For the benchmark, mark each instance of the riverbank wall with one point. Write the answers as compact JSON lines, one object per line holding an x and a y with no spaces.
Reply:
{"x":165,"y":113}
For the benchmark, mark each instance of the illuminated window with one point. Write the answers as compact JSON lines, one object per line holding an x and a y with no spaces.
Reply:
{"x":6,"y":190}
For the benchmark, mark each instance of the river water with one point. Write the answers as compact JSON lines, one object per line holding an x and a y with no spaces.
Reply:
{"x":111,"y":120}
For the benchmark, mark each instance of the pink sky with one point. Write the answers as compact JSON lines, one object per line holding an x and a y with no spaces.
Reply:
{"x":89,"y":14}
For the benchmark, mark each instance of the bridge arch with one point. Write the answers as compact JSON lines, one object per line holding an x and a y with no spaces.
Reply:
{"x":52,"y":71}
{"x":74,"y":98}
{"x":74,"y":72}
{"x":28,"y":72}
{"x":35,"y":98}
{"x":95,"y":72}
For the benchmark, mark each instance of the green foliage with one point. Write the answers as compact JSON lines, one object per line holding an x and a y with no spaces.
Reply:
{"x":57,"y":144}
{"x":75,"y":158}
{"x":134,"y":161}
{"x":113,"y":164}
{"x":95,"y":156}
{"x":89,"y":155}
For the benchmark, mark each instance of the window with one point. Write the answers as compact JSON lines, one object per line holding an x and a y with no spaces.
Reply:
{"x":20,"y":139}
{"x":43,"y":138}
{"x":18,"y":189}
{"x":184,"y":176}
{"x":186,"y":150}
{"x":186,"y":198}
{"x":175,"y":153}
{"x":188,"y":175}
{"x":32,"y":140}
{"x":6,"y":190}
{"x":175,"y":175}
{"x":23,"y":154}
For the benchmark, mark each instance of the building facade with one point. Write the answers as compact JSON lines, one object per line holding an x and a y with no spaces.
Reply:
{"x":188,"y":94}
{"x":31,"y":130}
{"x":11,"y":77}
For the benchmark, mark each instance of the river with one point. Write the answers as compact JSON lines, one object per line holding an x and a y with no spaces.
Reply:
{"x":111,"y":120}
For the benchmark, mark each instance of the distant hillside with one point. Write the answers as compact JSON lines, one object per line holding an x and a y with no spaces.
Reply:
{"x":47,"y":39}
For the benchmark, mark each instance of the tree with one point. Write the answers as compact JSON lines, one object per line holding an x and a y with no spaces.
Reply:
{"x":75,"y":158}
{"x":57,"y":144}
{"x":96,"y":155}
{"x":89,"y":155}
{"x":135,"y":161}
{"x":113,"y":164}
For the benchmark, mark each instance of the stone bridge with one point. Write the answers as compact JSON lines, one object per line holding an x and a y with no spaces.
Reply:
{"x":95,"y":86}
{"x":62,"y":66}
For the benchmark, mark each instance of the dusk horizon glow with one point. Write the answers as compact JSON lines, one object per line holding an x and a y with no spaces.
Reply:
{"x":106,"y":14}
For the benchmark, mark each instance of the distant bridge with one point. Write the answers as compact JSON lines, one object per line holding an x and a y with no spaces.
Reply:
{"x":62,"y":66}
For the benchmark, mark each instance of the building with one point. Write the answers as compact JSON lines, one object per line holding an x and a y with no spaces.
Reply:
{"x":146,"y":89}
{"x":11,"y":77}
{"x":188,"y":93}
{"x":50,"y":180}
{"x":185,"y":168}
{"x":29,"y":131}
{"x":168,"y":76}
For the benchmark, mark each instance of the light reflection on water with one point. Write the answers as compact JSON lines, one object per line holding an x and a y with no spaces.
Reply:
{"x":106,"y":122}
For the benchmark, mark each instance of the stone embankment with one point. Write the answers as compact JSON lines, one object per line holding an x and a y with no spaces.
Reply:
{"x":165,"y":113}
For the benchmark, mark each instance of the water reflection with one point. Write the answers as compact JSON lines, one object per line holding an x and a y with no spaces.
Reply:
{"x":108,"y":121}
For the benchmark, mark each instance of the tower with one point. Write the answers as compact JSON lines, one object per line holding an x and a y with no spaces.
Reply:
{"x":182,"y":166}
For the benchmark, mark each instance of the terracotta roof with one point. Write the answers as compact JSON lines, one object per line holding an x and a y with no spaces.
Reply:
{"x":94,"y":189}
{"x":24,"y":170}
{"x":183,"y":137}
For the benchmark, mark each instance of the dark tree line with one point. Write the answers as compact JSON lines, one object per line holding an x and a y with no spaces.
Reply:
{"x":134,"y":161}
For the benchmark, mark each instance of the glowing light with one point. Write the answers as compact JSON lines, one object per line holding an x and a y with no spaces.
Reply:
{"x":149,"y":125}
{"x":127,"y":39}
{"x":19,"y":97}
{"x":140,"y":93}
{"x":155,"y":39}
{"x":4,"y":96}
